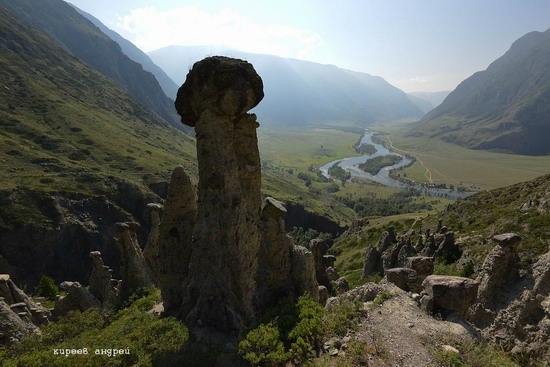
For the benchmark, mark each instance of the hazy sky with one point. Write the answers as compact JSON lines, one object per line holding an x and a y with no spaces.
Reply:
{"x":417,"y":45}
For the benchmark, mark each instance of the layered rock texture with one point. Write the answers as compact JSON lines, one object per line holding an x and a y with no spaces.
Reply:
{"x":223,"y":255}
{"x":134,"y":272}
{"x":19,"y":315}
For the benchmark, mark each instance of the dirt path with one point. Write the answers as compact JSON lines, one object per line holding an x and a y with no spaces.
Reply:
{"x":427,"y":173}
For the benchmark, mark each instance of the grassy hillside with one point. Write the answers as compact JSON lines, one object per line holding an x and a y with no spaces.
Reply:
{"x":523,"y":208}
{"x":504,"y":108}
{"x":441,"y":162}
{"x":84,"y":40}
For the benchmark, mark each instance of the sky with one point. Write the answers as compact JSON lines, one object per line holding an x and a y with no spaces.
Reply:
{"x":416,"y":45}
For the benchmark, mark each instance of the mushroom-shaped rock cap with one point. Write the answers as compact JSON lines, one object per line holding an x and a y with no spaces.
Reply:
{"x":507,"y":239}
{"x":226,"y":86}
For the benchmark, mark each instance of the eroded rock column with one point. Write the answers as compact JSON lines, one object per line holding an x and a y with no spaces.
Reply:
{"x":175,"y":239}
{"x":215,"y":99}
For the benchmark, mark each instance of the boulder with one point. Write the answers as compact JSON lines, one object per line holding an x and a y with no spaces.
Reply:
{"x":77,"y":298}
{"x":423,"y":266}
{"x":341,"y":285}
{"x":404,"y":278}
{"x":332,"y":274}
{"x":323,"y":295}
{"x":448,"y":294}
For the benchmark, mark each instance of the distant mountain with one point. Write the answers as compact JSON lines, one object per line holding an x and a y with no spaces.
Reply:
{"x":84,"y":40}
{"x":424,"y":105}
{"x":505,"y":107}
{"x":434,"y":98}
{"x":299,"y":93}
{"x":168,"y":85}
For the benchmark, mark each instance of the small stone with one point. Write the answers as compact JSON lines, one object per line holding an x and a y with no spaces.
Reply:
{"x":449,"y":349}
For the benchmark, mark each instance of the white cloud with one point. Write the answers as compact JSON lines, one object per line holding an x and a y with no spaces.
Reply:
{"x":150,"y":29}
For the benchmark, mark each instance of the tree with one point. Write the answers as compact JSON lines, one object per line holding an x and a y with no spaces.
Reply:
{"x":47,"y":288}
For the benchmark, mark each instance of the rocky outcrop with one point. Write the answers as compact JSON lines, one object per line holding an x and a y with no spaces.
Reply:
{"x":175,"y":239}
{"x":214,"y":99}
{"x":447,"y":294}
{"x":423,"y":266}
{"x":319,"y":248}
{"x":303,"y":272}
{"x":404,"y":278}
{"x":499,"y":269}
{"x":102,"y":285}
{"x":134,"y":271}
{"x":19,"y":315}
{"x":77,"y":298}
{"x":298,"y":216}
{"x":274,"y":277}
{"x":13,"y":327}
{"x":13,"y":295}
{"x":447,"y":251}
{"x":513,"y":311}
{"x":151,"y":250}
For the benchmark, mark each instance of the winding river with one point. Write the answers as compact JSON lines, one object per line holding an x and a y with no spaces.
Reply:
{"x":383,"y":176}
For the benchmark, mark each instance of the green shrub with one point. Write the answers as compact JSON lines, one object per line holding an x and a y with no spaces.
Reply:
{"x":263,"y":347}
{"x":47,"y":288}
{"x":342,"y":317}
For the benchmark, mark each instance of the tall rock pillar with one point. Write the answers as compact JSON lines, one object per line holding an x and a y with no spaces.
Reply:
{"x":215,"y":98}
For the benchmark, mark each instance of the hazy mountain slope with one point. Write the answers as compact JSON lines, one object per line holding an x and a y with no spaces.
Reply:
{"x":168,"y":85}
{"x":304,"y":93}
{"x":424,"y":105}
{"x":434,"y":98}
{"x":88,"y":43}
{"x":78,"y":154}
{"x":506,"y":107}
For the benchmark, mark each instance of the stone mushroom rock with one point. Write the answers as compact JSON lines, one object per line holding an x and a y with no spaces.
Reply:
{"x":151,"y":250}
{"x":303,"y":272}
{"x":430,"y":247}
{"x":448,"y":251}
{"x":319,"y":248}
{"x":220,"y":287}
{"x":175,"y":239}
{"x":372,"y":264}
{"x":102,"y":286}
{"x":77,"y":298}
{"x":134,"y":272}
{"x":274,"y":277}
{"x":448,"y":294}
{"x":499,"y":268}
{"x":406,"y":251}
{"x":404,"y":278}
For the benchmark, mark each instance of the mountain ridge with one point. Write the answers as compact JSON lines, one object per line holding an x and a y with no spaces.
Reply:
{"x":503,"y":108}
{"x":311,"y":93}
{"x":85,"y":41}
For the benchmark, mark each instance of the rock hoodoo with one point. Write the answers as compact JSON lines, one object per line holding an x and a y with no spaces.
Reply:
{"x":133,"y":269}
{"x":174,"y":241}
{"x":102,"y":285}
{"x":215,"y":99}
